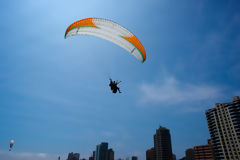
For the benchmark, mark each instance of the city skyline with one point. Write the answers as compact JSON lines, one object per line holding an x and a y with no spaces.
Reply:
{"x":54,"y":92}
{"x":162,"y":139}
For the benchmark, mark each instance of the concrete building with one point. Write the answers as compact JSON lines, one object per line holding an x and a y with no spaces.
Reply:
{"x":91,"y":158}
{"x":203,"y":152}
{"x":224,"y":127}
{"x":162,"y":144}
{"x":73,"y":156}
{"x":134,"y":158}
{"x":110,"y":154}
{"x":189,"y":154}
{"x":151,"y":154}
{"x":94,"y":155}
{"x":101,"y":151}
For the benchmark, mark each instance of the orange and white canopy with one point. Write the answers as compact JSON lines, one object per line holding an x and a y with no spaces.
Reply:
{"x":108,"y":30}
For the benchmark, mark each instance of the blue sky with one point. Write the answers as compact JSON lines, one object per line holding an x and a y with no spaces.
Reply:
{"x":54,"y":93}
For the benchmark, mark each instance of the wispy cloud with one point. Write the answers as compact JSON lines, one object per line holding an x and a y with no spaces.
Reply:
{"x":107,"y":134}
{"x":120,"y":132}
{"x":172,"y":91}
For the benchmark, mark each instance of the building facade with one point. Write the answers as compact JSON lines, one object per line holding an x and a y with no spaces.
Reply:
{"x":134,"y":158}
{"x":162,"y":144}
{"x":189,"y":154}
{"x":101,"y":151}
{"x":73,"y":156}
{"x":151,"y":154}
{"x":203,"y":152}
{"x":224,"y":127}
{"x":94,"y":155}
{"x":91,"y":158}
{"x":110,"y":154}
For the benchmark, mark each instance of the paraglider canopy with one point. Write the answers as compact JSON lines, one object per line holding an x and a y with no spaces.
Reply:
{"x":111,"y":31}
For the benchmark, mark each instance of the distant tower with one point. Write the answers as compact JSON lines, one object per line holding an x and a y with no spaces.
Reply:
{"x":91,"y":158}
{"x":224,"y":127}
{"x":101,"y":151}
{"x":94,"y":155}
{"x":73,"y":156}
{"x":189,"y":154}
{"x":134,"y":158}
{"x":110,"y":154}
{"x":162,"y":144}
{"x":151,"y":154}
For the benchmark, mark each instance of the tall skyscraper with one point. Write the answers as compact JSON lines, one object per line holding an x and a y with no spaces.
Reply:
{"x":224,"y":127}
{"x":162,"y":144}
{"x":101,"y":151}
{"x":151,"y":154}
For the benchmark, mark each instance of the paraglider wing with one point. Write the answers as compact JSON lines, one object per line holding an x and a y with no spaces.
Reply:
{"x":11,"y":144}
{"x":108,"y":30}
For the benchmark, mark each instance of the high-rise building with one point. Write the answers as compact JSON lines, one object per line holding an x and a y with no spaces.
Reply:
{"x":189,"y":154}
{"x":91,"y":158}
{"x":203,"y":152}
{"x":162,"y":144}
{"x":151,"y":154}
{"x":94,"y":155}
{"x":73,"y":156}
{"x":174,"y":157}
{"x":134,"y":158}
{"x":101,"y":151}
{"x":224,"y":127}
{"x":110,"y":154}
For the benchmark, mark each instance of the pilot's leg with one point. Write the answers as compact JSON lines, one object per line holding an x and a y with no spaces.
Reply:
{"x":119,"y":90}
